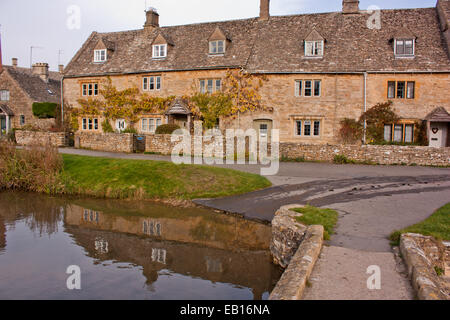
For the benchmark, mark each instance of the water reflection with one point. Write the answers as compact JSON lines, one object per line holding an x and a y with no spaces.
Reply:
{"x":223,"y":256}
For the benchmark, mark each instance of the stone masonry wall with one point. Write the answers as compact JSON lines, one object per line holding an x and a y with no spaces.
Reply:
{"x":30,"y":138}
{"x":109,"y":142}
{"x":385,"y":155}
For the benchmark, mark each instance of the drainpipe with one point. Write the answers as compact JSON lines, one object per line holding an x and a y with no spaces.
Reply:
{"x":62,"y":101}
{"x":365,"y":108}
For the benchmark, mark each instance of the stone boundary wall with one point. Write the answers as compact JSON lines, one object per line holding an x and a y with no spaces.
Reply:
{"x":383,"y":155}
{"x":39,"y":138}
{"x":109,"y":142}
{"x":425,"y":281}
{"x":296,"y":247}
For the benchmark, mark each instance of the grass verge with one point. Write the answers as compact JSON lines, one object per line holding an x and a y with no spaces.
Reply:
{"x":437,"y":226}
{"x":143,"y":179}
{"x":316,"y":216}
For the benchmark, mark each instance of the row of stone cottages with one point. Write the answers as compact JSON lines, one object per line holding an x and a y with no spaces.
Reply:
{"x":321,"y":68}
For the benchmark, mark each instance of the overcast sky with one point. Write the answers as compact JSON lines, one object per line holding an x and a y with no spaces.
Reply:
{"x":48,"y":24}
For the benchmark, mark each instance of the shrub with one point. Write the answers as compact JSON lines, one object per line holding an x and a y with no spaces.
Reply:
{"x":44,"y":110}
{"x":167,"y":129}
{"x":129,"y":130}
{"x":342,"y":159}
{"x":351,"y":131}
{"x":36,"y":169}
{"x":106,"y":127}
{"x":376,"y":117}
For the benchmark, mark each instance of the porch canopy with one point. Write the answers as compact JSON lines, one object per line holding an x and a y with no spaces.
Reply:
{"x":6,"y":111}
{"x":438,"y":115}
{"x":178,"y":106}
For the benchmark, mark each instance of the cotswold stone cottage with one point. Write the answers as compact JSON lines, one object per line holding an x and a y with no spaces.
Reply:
{"x":20,"y":88}
{"x":321,"y":68}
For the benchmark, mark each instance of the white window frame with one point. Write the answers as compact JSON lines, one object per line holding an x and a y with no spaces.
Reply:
{"x":100,"y":55}
{"x":159,"y":51}
{"x":151,"y":124}
{"x":205,"y":87}
{"x":314,"y":48}
{"x":4,"y":95}
{"x":151,"y":80}
{"x":307,"y":122}
{"x":89,"y":87}
{"x":404,"y":45}
{"x":214,"y":47}
{"x":121,"y":124}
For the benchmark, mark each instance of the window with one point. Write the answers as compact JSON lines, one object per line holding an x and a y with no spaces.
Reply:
{"x":313,"y":48}
{"x":121,"y":124}
{"x":89,"y":124}
{"x":298,"y":128}
{"x":150,"y":124}
{"x":90,"y":89}
{"x":217,"y":47}
{"x":308,"y":88}
{"x":151,"y":83}
{"x":307,"y":128}
{"x":404,"y":47}
{"x":160,"y":51}
{"x":400,"y":133}
{"x":22,"y":120}
{"x":210,"y":85}
{"x":100,"y":55}
{"x":4,"y":95}
{"x":263,"y":129}
{"x":401,"y":89}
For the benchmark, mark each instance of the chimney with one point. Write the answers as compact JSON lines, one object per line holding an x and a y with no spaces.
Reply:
{"x":61,"y":68}
{"x":350,"y":6}
{"x":14,"y":62}
{"x":152,"y":19}
{"x":41,"y":69}
{"x":264,"y":10}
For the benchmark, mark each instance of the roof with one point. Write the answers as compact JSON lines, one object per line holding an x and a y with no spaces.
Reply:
{"x":438,"y":115}
{"x":178,"y":107}
{"x":6,"y":110}
{"x":36,"y":88}
{"x":277,"y":45}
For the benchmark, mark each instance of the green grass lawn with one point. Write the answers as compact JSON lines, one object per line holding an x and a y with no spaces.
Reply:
{"x":316,"y":216}
{"x":143,"y":179}
{"x":437,"y":226}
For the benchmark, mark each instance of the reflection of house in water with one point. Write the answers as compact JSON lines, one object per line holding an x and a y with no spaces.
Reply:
{"x":219,"y":252}
{"x":2,"y":233}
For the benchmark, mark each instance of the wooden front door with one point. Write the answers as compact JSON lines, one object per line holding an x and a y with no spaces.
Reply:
{"x":438,"y":134}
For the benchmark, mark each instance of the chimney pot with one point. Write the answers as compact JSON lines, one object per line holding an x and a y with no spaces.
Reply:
{"x":264,"y":8}
{"x":61,"y":68}
{"x":350,"y":6}
{"x":41,"y":69}
{"x":14,"y":62}
{"x":152,"y":19}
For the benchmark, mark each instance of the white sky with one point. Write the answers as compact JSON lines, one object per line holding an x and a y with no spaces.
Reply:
{"x":43,"y":23}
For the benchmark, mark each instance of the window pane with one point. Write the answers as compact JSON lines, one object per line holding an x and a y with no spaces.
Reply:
{"x":152,"y":83}
{"x":90,"y":124}
{"x":409,"y":130}
{"x":391,"y":89}
{"x":84,"y":90}
{"x":308,"y":88}
{"x":220,"y":46}
{"x":411,"y":88}
{"x":84,"y":124}
{"x":319,"y":48}
{"x":307,"y":130}
{"x":400,"y":47}
{"x":401,"y":89}
{"x":218,"y":85}
{"x":144,"y":124}
{"x":145,"y":84}
{"x":162,"y":50}
{"x":299,"y":128}
{"x":316,"y":128}
{"x":317,"y":88}
{"x":202,"y":86}
{"x":210,"y":86}
{"x":95,"y":89}
{"x":309,"y":48}
{"x":158,"y":122}
{"x":158,"y":83}
{"x":398,"y":133}
{"x":409,"y":47}
{"x":90,"y":89}
{"x":388,"y":132}
{"x":298,"y":88}
{"x":152,"y":125}
{"x":96,"y":124}
{"x":213,"y":47}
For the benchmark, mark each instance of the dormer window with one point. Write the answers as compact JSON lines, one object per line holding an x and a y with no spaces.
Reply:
{"x":217,"y":47}
{"x":314,"y":48}
{"x":100,"y":55}
{"x":160,"y":51}
{"x":404,"y":47}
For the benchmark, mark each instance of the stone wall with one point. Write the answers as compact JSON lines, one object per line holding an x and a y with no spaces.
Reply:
{"x":385,"y":155}
{"x":109,"y":142}
{"x":30,"y":138}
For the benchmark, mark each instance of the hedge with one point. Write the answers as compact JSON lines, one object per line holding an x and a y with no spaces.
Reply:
{"x":44,"y":110}
{"x":167,"y":129}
